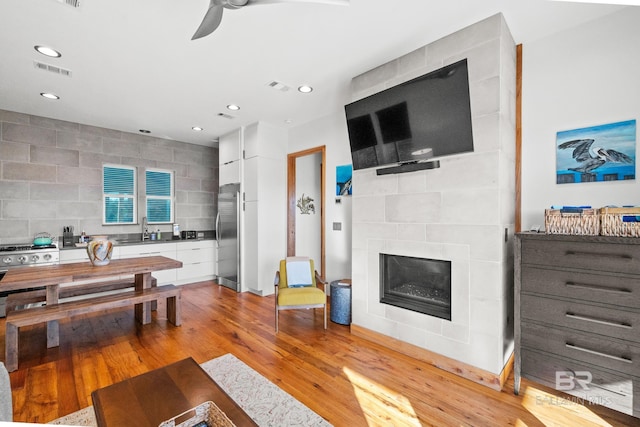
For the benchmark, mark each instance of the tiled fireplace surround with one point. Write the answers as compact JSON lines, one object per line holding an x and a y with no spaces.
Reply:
{"x":462,"y":212}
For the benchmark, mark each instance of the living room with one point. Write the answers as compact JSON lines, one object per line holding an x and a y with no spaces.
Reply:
{"x":566,"y":84}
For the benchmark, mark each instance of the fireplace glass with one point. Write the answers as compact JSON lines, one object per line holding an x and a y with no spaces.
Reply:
{"x":417,"y":284}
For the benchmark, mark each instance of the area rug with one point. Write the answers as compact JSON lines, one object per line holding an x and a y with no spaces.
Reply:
{"x":263,"y":401}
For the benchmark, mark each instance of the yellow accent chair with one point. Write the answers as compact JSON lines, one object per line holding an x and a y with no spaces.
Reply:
{"x":293,"y":296}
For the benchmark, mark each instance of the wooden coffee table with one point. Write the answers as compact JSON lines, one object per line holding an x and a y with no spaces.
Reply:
{"x":161,"y":394}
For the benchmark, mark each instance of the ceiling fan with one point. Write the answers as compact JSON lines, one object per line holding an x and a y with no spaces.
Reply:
{"x":213,"y":16}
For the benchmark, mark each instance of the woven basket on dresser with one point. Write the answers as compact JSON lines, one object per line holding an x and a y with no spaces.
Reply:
{"x":585,"y":223}
{"x":611,"y":223}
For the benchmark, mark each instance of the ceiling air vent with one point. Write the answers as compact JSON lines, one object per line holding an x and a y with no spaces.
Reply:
{"x":226,"y":116}
{"x":52,"y":68}
{"x":278,"y":86}
{"x":72,"y":3}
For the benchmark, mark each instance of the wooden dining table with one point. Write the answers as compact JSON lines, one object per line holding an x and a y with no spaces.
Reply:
{"x":52,"y":276}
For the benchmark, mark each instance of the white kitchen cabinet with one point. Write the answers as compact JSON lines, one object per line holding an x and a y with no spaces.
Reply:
{"x":80,"y":254}
{"x":265,"y":167}
{"x":264,"y":209}
{"x":229,"y":173}
{"x":265,"y":140}
{"x":229,"y":155}
{"x":68,"y":256}
{"x":197,"y":256}
{"x":230,"y":147}
{"x":198,"y":261}
{"x":153,"y":249}
{"x":251,"y":178}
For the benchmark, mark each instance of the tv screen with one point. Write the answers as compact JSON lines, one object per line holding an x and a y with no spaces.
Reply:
{"x":429,"y":116}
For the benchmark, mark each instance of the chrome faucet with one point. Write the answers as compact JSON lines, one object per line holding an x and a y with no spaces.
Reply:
{"x":145,"y":229}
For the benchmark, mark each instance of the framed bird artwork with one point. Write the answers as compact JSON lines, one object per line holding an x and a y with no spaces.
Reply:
{"x":343,"y":180}
{"x":598,"y":153}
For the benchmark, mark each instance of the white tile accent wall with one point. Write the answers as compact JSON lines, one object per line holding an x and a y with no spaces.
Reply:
{"x":458,"y":212}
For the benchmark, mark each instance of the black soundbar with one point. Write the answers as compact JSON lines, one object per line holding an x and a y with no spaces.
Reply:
{"x":409,"y":167}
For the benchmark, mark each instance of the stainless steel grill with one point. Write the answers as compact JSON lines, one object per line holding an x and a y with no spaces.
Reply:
{"x":28,"y":255}
{"x":24,"y":256}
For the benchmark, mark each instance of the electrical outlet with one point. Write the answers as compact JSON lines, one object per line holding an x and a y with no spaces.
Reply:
{"x":337,"y":226}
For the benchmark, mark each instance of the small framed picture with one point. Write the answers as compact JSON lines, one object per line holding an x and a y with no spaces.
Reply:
{"x":344,"y":174}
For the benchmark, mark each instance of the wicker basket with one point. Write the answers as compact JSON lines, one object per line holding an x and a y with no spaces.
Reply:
{"x":585,"y":223}
{"x":207,"y":413}
{"x":612,"y":223}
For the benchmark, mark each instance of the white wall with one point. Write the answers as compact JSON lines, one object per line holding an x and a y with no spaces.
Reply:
{"x":308,"y":225}
{"x":581,"y":77}
{"x":330,"y":131}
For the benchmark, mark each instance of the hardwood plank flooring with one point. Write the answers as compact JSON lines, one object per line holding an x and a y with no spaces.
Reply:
{"x":345,"y":379}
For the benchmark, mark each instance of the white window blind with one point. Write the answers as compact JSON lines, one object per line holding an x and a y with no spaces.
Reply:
{"x":119,"y":194}
{"x":160,"y":189}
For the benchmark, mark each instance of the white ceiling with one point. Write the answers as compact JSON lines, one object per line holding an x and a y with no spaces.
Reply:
{"x":134,"y":65}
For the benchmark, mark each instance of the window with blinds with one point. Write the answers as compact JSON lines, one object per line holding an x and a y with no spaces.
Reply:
{"x":160,"y":189}
{"x":118,"y":194}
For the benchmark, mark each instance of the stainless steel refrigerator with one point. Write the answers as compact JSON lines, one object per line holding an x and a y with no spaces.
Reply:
{"x":228,"y":236}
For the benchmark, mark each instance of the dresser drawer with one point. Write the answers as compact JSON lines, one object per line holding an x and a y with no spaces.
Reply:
{"x":609,"y":322}
{"x":617,"y":355}
{"x":614,"y":290}
{"x":617,"y":258}
{"x":604,"y":388}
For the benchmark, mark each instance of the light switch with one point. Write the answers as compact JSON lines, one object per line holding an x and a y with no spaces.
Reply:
{"x":337,"y":226}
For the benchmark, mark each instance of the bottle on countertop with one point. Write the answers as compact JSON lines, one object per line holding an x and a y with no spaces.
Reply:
{"x":159,"y":234}
{"x":83,"y":237}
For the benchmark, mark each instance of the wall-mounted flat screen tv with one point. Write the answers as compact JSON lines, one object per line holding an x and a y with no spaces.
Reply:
{"x":428,"y":116}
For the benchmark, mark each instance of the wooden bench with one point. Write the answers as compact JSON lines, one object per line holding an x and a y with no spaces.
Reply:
{"x":19,"y":318}
{"x":18,"y":300}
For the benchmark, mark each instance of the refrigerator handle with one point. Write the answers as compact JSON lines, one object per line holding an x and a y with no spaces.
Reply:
{"x":239,"y":240}
{"x":218,"y":229}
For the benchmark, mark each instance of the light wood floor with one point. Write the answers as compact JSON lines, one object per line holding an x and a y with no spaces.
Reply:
{"x":348,"y":381}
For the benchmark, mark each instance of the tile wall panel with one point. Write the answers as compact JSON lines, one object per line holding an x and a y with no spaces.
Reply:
{"x":51,"y":176}
{"x":458,"y":212}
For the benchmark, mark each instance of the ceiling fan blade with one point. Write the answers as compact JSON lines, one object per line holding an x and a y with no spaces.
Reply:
{"x":333,"y":2}
{"x":211,"y":20}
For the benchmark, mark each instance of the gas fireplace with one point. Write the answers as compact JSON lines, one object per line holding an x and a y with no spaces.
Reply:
{"x":417,"y":284}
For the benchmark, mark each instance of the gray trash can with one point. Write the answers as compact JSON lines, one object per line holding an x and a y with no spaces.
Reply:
{"x":341,"y":301}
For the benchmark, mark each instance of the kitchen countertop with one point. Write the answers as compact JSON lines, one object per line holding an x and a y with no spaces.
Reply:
{"x":129,"y":241}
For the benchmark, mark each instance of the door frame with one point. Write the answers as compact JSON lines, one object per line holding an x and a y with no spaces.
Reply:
{"x":291,"y":201}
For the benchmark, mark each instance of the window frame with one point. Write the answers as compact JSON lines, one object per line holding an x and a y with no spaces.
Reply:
{"x":133,"y":196}
{"x":171,"y":198}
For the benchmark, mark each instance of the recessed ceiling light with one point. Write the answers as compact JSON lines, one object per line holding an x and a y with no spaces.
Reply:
{"x":305,"y":89}
{"x":233,"y":107}
{"x":48,"y":51}
{"x":197,"y":128}
{"x":49,"y":95}
{"x":144,"y":131}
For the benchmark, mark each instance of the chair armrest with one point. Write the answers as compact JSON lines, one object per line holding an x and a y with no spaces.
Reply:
{"x":276,"y":280}
{"x":320,"y":282}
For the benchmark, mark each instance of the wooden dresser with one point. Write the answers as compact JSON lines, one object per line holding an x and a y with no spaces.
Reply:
{"x":577,"y":317}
